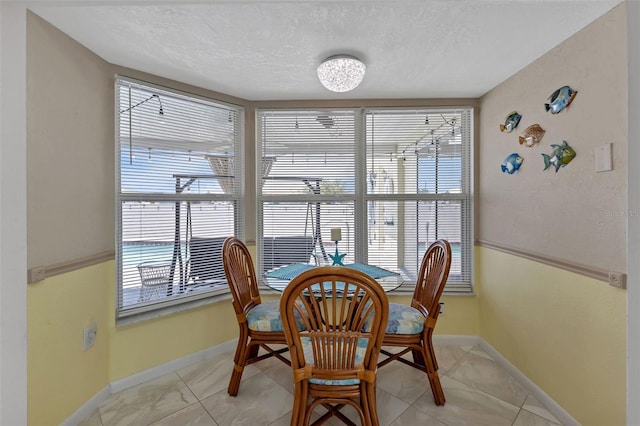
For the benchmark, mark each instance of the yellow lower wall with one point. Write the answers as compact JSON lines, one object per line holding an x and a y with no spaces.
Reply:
{"x":61,"y":377}
{"x":146,"y":344}
{"x":565,"y":332}
{"x":58,"y":310}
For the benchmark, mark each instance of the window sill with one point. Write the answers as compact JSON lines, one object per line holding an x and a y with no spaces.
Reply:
{"x":171,"y":310}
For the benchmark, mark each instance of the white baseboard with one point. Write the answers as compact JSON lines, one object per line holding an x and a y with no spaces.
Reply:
{"x":168,"y":367}
{"x":88,"y":407}
{"x":551,"y":406}
{"x":454,"y":340}
{"x":135,"y":379}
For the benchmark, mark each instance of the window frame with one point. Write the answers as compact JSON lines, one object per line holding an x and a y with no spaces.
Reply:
{"x":175,"y":302}
{"x":361,"y":197}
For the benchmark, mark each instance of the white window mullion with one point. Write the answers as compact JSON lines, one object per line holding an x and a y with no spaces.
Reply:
{"x":360,"y":188}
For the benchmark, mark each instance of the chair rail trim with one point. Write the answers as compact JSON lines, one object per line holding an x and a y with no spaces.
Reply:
{"x":589,"y":271}
{"x":39,"y":273}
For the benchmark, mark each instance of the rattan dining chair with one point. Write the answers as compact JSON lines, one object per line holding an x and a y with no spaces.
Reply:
{"x":334,"y":358}
{"x":411,"y":327}
{"x":259,"y":323}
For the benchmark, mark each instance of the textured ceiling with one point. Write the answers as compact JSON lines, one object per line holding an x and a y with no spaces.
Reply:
{"x":269,"y":50}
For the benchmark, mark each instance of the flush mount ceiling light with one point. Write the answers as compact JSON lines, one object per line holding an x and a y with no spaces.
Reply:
{"x":341,"y":73}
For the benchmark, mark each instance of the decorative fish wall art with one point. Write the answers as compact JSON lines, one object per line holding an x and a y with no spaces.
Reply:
{"x":560,"y":99}
{"x":560,"y":157}
{"x":512,"y":163}
{"x":532,"y":135}
{"x":510,"y":122}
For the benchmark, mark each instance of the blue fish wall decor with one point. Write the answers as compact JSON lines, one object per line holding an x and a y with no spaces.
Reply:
{"x":560,"y":99}
{"x":512,"y":163}
{"x":560,"y":157}
{"x":510,"y":122}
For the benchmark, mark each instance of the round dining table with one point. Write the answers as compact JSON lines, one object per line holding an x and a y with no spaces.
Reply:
{"x":278,"y":278}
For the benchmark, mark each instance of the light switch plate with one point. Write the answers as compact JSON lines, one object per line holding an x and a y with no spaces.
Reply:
{"x":602,"y":155}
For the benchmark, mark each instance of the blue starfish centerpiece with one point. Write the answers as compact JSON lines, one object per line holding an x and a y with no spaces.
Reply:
{"x":337,"y":258}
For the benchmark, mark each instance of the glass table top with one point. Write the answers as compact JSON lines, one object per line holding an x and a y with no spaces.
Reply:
{"x":280,"y":277}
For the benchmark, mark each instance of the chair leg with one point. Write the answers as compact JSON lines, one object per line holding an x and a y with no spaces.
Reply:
{"x":436,"y":388}
{"x":253,"y":352}
{"x":369,"y":404}
{"x":417,"y":357}
{"x":429,"y":343}
{"x":239,"y":361}
{"x":299,"y":412}
{"x":236,"y":377}
{"x":432,"y":372}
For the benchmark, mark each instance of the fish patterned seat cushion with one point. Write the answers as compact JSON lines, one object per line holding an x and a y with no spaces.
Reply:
{"x":266,"y":317}
{"x":404,"y":319}
{"x":308,"y":358}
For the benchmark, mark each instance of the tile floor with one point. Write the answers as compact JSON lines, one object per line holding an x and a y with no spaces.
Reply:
{"x":478,"y":392}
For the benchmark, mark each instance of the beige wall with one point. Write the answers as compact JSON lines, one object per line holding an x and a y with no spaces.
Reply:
{"x":576,"y":214}
{"x":564,"y":331}
{"x":70,"y":176}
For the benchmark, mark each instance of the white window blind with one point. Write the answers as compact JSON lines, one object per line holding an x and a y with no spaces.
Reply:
{"x":309,"y":187}
{"x":393,"y":181}
{"x":179,"y":190}
{"x":419,"y":189}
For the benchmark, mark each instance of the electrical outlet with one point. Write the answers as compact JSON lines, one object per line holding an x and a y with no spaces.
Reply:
{"x":618,"y":279}
{"x":89,"y":335}
{"x":441,"y":308}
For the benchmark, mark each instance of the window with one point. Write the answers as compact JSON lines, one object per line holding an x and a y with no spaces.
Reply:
{"x":391,"y":180}
{"x":179,"y":194}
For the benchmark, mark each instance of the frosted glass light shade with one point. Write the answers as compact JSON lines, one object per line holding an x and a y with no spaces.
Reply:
{"x":341,"y":73}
